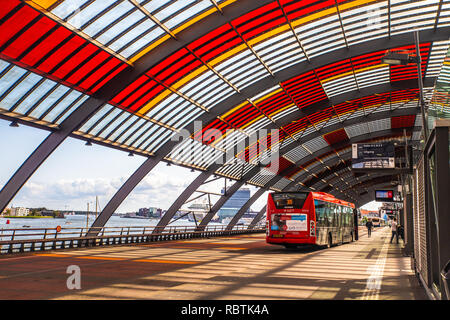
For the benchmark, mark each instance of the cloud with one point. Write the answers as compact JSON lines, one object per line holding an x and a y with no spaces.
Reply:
{"x":157,"y":189}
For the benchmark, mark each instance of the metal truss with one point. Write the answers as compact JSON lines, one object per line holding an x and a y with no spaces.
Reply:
{"x":88,"y":108}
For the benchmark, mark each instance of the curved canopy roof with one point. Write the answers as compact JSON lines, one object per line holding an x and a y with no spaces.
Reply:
{"x":135,"y":74}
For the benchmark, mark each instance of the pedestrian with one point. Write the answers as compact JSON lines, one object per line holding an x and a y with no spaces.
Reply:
{"x":394,"y":230}
{"x":369,"y":226}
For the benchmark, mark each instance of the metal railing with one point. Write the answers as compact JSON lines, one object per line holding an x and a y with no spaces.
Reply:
{"x":41,"y":239}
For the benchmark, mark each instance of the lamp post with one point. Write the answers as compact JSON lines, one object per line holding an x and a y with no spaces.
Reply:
{"x":402,"y":58}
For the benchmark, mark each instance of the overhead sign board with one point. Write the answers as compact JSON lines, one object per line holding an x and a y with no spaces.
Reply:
{"x":384,"y":195}
{"x":373,"y":156}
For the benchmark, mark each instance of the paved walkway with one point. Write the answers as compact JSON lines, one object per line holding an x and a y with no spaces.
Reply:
{"x":236,"y":268}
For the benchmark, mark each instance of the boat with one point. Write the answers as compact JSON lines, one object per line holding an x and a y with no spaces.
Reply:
{"x":198,"y":210}
{"x":67,"y":214}
{"x":133,"y":215}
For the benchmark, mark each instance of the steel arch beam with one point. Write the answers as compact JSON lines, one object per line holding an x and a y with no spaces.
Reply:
{"x":257,"y":218}
{"x":43,"y":151}
{"x":128,"y":75}
{"x":245,"y":207}
{"x":128,"y":187}
{"x":149,"y":164}
{"x":162,"y":223}
{"x":113,"y":87}
{"x":121,"y":194}
{"x":229,"y":193}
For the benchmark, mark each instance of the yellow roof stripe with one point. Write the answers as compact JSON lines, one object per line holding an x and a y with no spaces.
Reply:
{"x":45,"y":4}
{"x":267,"y":95}
{"x":234,"y":109}
{"x":254,"y":120}
{"x":282,"y":109}
{"x":166,"y":92}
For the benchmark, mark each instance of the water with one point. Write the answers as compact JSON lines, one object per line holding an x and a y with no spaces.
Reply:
{"x":79,"y":221}
{"x":75,"y":223}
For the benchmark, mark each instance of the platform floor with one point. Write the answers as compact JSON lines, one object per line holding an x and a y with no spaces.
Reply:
{"x":235,"y":268}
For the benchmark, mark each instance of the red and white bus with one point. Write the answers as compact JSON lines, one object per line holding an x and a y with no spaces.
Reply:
{"x":297,"y":218}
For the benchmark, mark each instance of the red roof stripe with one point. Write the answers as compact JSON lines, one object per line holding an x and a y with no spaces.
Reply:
{"x":29,"y":37}
{"x":58,"y":36}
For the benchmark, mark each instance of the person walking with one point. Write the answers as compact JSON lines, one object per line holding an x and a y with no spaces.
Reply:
{"x":394,"y":230}
{"x":369,"y":226}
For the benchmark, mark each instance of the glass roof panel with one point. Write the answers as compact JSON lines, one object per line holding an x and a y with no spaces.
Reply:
{"x":134,"y":132}
{"x":81,"y":17}
{"x":34,"y":95}
{"x":101,"y":24}
{"x":68,"y":7}
{"x":19,"y":90}
{"x":105,"y":121}
{"x":72,"y":106}
{"x":58,"y":101}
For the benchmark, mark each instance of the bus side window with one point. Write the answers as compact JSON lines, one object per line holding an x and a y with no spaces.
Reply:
{"x":319,"y":212}
{"x":330,"y":214}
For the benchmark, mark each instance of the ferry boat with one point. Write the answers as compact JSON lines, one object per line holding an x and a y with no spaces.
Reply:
{"x":199,"y":210}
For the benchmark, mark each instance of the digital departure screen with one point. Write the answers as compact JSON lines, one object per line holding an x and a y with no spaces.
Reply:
{"x":384,"y":195}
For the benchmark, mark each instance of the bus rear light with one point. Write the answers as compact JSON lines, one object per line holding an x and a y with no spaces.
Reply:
{"x":312,"y":228}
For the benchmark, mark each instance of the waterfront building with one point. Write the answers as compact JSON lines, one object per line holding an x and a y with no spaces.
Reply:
{"x":19,"y":212}
{"x":232,"y":206}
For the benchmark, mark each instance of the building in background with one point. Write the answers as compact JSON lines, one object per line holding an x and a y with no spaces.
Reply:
{"x":19,"y":212}
{"x":369,"y":214}
{"x":232,"y":206}
{"x":150,"y":212}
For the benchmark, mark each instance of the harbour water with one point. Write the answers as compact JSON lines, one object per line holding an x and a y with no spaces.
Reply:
{"x":80,"y":221}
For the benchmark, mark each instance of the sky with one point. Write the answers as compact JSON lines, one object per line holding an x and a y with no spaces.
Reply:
{"x":75,"y":174}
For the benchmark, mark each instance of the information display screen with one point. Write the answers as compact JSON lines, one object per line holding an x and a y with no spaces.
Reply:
{"x":384,"y":195}
{"x":373,"y":156}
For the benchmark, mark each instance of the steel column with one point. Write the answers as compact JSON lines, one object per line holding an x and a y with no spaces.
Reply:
{"x":127,"y":77}
{"x":219,"y":203}
{"x":184,"y":197}
{"x":121,"y":194}
{"x":257,"y":218}
{"x":245,"y":207}
{"x":147,"y":167}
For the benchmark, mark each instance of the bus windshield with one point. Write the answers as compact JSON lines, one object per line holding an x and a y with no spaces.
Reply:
{"x":291,"y":200}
